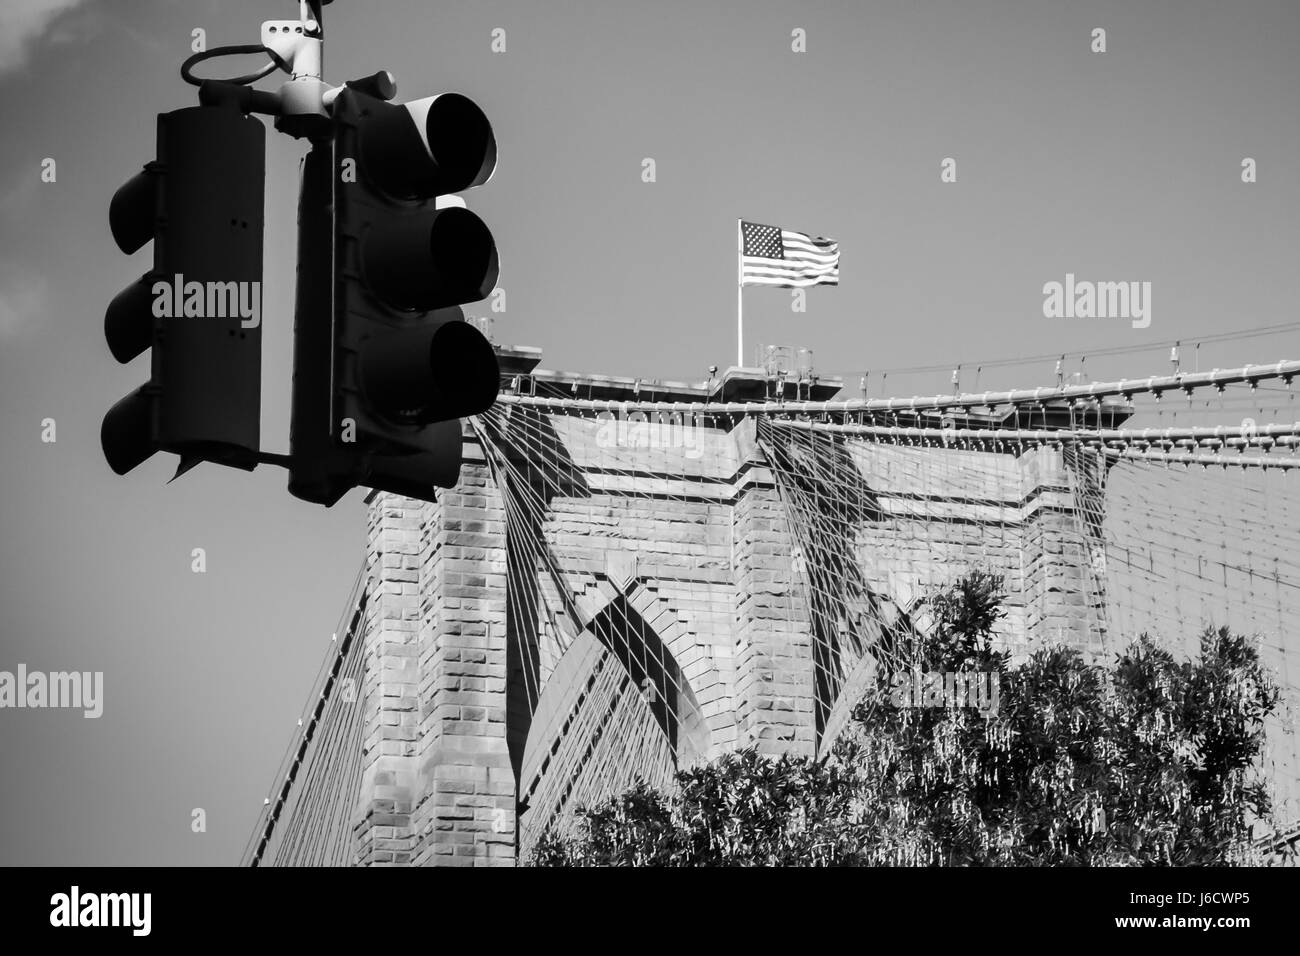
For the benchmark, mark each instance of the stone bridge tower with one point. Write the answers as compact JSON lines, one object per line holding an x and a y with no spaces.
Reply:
{"x":585,"y":608}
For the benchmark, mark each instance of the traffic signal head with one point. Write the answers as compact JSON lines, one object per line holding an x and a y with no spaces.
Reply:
{"x":199,"y":307}
{"x":405,"y":366}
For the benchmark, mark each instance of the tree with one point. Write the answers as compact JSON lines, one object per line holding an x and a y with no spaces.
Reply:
{"x":1147,"y":761}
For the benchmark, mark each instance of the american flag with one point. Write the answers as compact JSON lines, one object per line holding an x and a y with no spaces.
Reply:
{"x":771,"y":255}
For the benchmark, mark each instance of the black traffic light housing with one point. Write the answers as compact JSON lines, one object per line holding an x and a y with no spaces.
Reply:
{"x":403,"y":365}
{"x":200,"y":202}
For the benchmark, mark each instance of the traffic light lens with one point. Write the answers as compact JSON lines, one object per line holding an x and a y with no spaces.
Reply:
{"x":464,"y":365}
{"x":430,"y":374}
{"x":465,"y":252}
{"x":430,"y":260}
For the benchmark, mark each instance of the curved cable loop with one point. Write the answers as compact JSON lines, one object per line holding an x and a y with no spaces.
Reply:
{"x":275,"y":63}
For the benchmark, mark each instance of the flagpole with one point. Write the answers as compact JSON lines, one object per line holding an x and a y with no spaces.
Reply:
{"x":740,"y":302}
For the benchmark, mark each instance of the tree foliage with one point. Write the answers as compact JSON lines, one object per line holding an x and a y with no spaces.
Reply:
{"x":1147,"y":761}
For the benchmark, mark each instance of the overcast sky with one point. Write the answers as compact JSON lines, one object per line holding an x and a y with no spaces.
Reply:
{"x":1115,"y":166}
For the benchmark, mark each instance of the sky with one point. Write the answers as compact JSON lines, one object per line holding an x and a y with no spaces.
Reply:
{"x":1117,"y":166}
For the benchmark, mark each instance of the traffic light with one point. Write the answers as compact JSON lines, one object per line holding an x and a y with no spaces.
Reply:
{"x":199,"y":308}
{"x":378,"y":397}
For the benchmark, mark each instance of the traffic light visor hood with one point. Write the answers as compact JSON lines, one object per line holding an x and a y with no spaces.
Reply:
{"x":458,"y":137}
{"x":126,"y":434}
{"x":128,"y":321}
{"x":132,"y":211}
{"x":430,"y":147}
